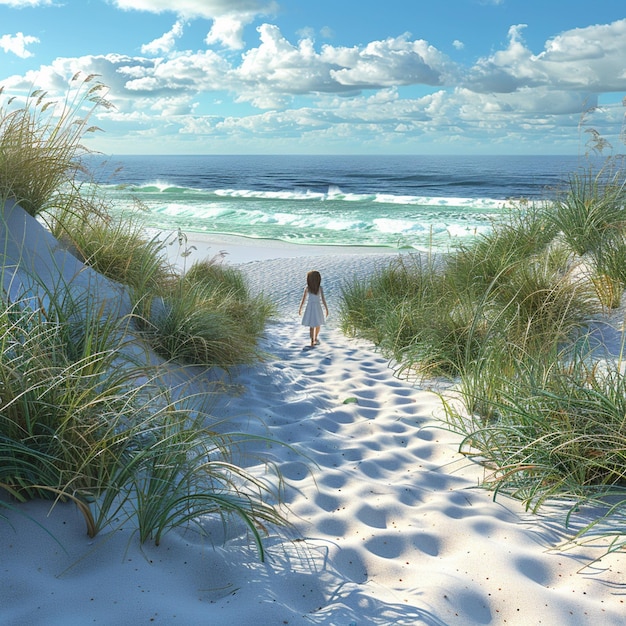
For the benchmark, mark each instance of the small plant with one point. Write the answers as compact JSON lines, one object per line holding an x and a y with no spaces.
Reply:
{"x":514,"y":284}
{"x":389,"y":309}
{"x":524,"y":234}
{"x":556,"y":430}
{"x":608,"y":272}
{"x":116,"y":248}
{"x":205,"y":316}
{"x":227,"y":287}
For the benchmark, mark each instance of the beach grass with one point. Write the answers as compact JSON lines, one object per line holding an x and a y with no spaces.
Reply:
{"x":79,"y":424}
{"x":437,"y":315}
{"x":85,"y":415}
{"x":508,"y":320}
{"x":206,"y":316}
{"x":41,"y":143}
{"x":202,"y":315}
{"x":117,"y":248}
{"x":589,"y":212}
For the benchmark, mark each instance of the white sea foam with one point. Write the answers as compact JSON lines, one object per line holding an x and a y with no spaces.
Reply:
{"x":269,"y":195}
{"x":306,"y":210}
{"x":398,"y":226}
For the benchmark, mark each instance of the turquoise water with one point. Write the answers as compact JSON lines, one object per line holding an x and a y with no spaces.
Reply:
{"x":392,"y":202}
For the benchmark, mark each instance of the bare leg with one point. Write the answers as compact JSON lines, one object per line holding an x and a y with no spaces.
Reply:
{"x":312,"y":335}
{"x":316,"y":333}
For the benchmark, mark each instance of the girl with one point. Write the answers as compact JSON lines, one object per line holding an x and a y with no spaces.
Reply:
{"x":313,"y":316}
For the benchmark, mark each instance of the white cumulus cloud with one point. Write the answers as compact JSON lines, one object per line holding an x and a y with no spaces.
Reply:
{"x":229,"y":16}
{"x":17,"y":44}
{"x":208,"y":9}
{"x":166,"y":42}
{"x":228,"y":31}
{"x":587,"y":59}
{"x":394,"y":61}
{"x":277,"y":68}
{"x":19,"y":4}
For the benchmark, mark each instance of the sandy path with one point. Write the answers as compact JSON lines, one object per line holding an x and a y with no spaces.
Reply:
{"x":388,"y":527}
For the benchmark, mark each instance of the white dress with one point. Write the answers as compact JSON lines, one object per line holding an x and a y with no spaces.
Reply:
{"x":313,"y":314}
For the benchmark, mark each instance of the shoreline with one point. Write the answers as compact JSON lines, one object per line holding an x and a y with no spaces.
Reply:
{"x":240,"y":250}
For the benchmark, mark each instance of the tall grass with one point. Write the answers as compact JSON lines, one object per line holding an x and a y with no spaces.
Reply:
{"x":522,"y":234}
{"x":366,"y":307}
{"x":556,"y":429}
{"x":206,"y":316}
{"x":41,"y":143}
{"x":203,"y":316}
{"x":508,"y":320}
{"x":590,"y":212}
{"x":117,"y":248}
{"x":439,"y":315}
{"x":83,"y":415}
{"x":226,"y":286}
{"x":78,"y":423}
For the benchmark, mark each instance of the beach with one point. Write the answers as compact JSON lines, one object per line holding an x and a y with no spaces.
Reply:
{"x":388,"y":524}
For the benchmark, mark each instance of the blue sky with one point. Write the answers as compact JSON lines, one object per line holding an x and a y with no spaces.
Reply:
{"x":329,"y":77}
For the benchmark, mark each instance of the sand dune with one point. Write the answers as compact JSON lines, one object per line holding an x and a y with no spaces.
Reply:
{"x":388,"y":525}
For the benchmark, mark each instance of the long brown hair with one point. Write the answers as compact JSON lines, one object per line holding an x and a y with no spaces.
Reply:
{"x":313,"y":281}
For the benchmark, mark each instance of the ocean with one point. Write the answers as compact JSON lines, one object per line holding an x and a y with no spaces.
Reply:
{"x":395,"y":202}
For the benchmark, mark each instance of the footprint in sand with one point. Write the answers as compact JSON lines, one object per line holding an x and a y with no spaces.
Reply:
{"x":343,"y":417}
{"x":386,"y":546}
{"x":349,"y":564}
{"x":304,"y":591}
{"x":424,"y":434}
{"x":372,"y":517}
{"x":371,"y":469}
{"x":374,"y":445}
{"x":332,"y":527}
{"x":295,"y":470}
{"x":534,"y":570}
{"x":334,"y":480}
{"x":352,"y":454}
{"x":327,"y":502}
{"x":426,"y":543}
{"x":410,"y":496}
{"x":424,"y":452}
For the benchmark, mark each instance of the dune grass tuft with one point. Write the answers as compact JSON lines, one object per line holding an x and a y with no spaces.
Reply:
{"x":41,"y":143}
{"x":84,"y":416}
{"x":509,"y":320}
{"x":205,"y":316}
{"x":82,"y":420}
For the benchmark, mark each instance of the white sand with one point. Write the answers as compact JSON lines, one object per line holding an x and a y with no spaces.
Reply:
{"x":389,"y":527}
